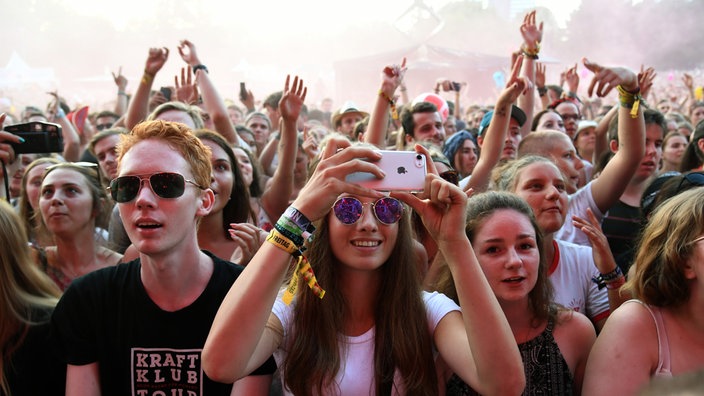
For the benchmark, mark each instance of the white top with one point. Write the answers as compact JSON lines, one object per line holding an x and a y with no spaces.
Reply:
{"x":578,"y":204}
{"x":356,"y":375}
{"x":571,"y":275}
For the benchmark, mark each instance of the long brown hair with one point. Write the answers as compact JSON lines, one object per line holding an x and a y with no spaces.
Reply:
{"x":479,"y":208}
{"x":402,"y":340}
{"x":23,"y":287}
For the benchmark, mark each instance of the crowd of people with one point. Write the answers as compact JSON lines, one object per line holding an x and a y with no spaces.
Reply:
{"x":179,"y":244}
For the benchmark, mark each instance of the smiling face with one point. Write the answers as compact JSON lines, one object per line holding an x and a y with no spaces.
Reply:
{"x":364,"y":245}
{"x":161,"y":226}
{"x":428,"y":127}
{"x":506,"y":248}
{"x":223,"y":177}
{"x":66,"y":202}
{"x":542,"y":186}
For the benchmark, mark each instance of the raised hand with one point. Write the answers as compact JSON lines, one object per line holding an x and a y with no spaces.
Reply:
{"x":392,"y":77}
{"x":337,"y":160}
{"x":156,"y":60}
{"x":607,"y":78}
{"x":187,"y":50}
{"x":120,"y":80}
{"x":645,"y":80}
{"x":248,"y":238}
{"x":532,"y":33}
{"x":187,"y":90}
{"x":515,"y":84}
{"x":292,"y":99}
{"x":540,"y":75}
{"x":7,"y":154}
{"x":572,"y":79}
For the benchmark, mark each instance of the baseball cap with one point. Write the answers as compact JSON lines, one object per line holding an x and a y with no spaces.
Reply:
{"x":516,"y":113}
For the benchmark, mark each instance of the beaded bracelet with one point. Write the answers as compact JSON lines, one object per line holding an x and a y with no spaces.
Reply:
{"x":394,"y":113}
{"x":630,"y":100}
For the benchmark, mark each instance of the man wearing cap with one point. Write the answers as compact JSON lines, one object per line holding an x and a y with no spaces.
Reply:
{"x":346,"y":117}
{"x":513,"y":138}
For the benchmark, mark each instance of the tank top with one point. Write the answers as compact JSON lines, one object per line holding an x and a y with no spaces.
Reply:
{"x":546,"y":370}
{"x":663,"y":369}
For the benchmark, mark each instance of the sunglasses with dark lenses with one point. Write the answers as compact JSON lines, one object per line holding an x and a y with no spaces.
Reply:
{"x":387,"y":210}
{"x":693,"y":178}
{"x":165,"y":185}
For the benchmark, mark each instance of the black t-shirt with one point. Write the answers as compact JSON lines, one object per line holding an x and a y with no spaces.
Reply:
{"x":621,"y":227}
{"x":107,"y":317}
{"x":35,"y":368}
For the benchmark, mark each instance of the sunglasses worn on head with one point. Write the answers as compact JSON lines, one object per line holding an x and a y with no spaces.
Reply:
{"x":387,"y":210}
{"x":165,"y":185}
{"x":693,"y":178}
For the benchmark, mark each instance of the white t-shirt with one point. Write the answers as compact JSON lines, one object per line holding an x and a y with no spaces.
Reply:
{"x":578,"y":204}
{"x":356,"y":375}
{"x":571,"y":274}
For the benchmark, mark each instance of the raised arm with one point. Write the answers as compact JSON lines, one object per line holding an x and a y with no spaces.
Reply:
{"x":246,"y":310}
{"x":391,"y":78}
{"x":477,"y":343}
{"x":495,"y":135}
{"x":72,"y":141}
{"x":121,"y":101}
{"x":138,"y":108}
{"x":532,"y":37}
{"x":212,"y":101}
{"x":612,"y":182}
{"x":279,"y":189}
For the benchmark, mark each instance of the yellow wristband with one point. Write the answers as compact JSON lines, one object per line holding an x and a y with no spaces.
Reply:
{"x":147,"y":78}
{"x":280,"y":241}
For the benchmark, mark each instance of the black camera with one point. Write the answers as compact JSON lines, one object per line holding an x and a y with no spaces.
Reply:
{"x":39,"y":137}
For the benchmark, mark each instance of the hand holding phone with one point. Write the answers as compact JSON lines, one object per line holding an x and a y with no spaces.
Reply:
{"x":243,"y":92}
{"x":405,"y":171}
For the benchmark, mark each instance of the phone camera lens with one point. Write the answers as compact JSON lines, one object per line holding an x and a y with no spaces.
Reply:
{"x":419,"y":157}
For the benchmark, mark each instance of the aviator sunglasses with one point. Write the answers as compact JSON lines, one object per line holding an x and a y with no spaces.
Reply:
{"x":387,"y":210}
{"x":165,"y":185}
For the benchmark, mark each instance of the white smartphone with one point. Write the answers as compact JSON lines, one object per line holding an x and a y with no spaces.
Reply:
{"x":405,"y":171}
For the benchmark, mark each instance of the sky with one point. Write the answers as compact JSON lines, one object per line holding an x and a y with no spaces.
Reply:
{"x":273,"y":28}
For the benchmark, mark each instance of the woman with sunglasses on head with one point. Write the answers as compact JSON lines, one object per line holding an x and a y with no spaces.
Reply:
{"x":554,"y":341}
{"x":73,"y":203}
{"x":660,"y":334}
{"x":354,"y":320}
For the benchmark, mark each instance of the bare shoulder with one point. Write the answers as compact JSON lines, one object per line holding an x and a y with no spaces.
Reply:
{"x":574,"y":333}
